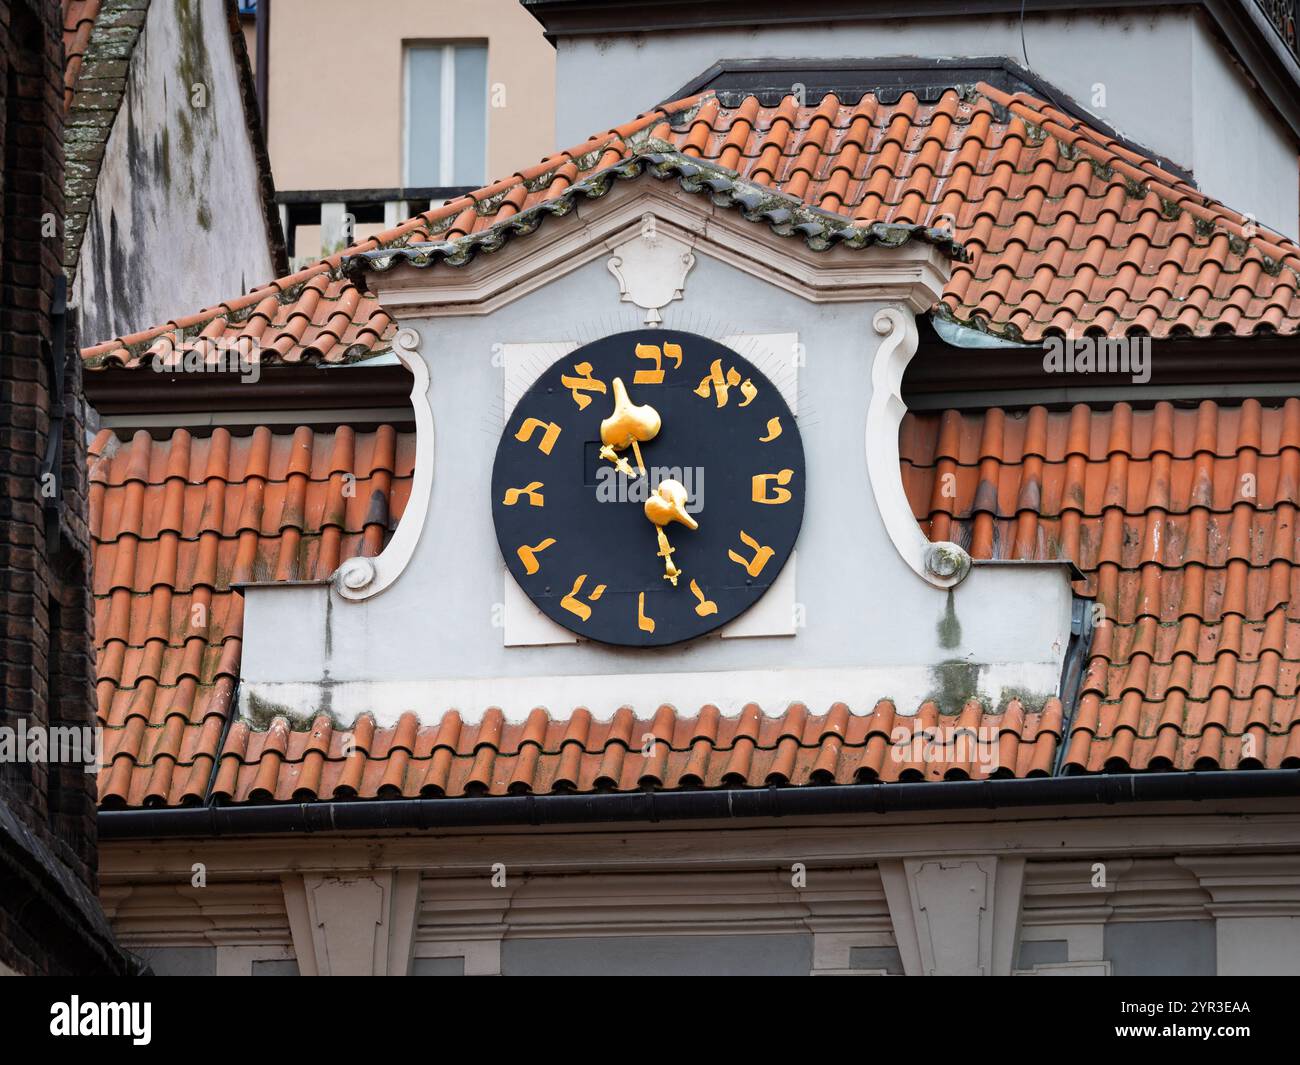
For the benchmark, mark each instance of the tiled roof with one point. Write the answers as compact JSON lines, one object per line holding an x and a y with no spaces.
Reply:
{"x":1194,"y":665}
{"x":78,"y":20}
{"x":1183,"y":520}
{"x":176,"y":523}
{"x":579,"y":754}
{"x":1068,"y":230}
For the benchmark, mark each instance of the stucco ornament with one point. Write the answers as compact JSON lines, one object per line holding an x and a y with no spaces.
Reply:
{"x":651,"y":268}
{"x":944,"y":564}
{"x":359,"y":578}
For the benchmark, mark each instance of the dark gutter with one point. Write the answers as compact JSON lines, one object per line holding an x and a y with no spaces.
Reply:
{"x":940,"y":368}
{"x":1072,"y":672}
{"x":723,"y":804}
{"x":118,"y":392}
{"x":56,"y":362}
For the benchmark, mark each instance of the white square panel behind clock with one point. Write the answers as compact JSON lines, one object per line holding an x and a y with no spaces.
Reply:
{"x":779,"y":356}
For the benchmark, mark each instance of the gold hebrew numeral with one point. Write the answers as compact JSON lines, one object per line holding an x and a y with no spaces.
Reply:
{"x":762,"y":555}
{"x":535,"y":498}
{"x":574,"y":605}
{"x":704,"y":607}
{"x":582,"y":384}
{"x":528,"y":555}
{"x":718,"y":382}
{"x":550,"y":433}
{"x":773,"y":431}
{"x":656,"y":355}
{"x":644,"y":623}
{"x":779,"y":494}
{"x":749,"y":390}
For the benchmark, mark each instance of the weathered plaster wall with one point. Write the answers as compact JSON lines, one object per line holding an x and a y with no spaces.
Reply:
{"x":178,"y":221}
{"x":1168,"y":83}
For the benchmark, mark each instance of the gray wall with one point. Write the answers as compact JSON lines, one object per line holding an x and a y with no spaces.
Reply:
{"x":1169,"y":84}
{"x":758,"y":955}
{"x":180,"y":961}
{"x":1161,"y":948}
{"x":178,"y":222}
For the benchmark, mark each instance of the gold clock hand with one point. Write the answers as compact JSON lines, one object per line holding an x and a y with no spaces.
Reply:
{"x":629,"y":425}
{"x":668,"y":504}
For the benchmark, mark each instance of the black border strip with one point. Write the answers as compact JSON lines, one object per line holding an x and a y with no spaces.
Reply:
{"x":722,"y":804}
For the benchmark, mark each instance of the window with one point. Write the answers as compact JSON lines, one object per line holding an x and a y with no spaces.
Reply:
{"x":446,"y":115}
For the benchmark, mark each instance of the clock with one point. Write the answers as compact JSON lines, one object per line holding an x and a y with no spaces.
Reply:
{"x":648,"y":488}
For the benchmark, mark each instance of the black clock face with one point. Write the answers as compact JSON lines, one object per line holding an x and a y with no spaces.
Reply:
{"x":726,"y":457}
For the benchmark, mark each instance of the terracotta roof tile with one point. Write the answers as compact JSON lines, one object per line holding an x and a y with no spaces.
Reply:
{"x":1068,"y":230}
{"x":704,"y":749}
{"x":174,"y":524}
{"x":1183,"y":520}
{"x":78,"y":20}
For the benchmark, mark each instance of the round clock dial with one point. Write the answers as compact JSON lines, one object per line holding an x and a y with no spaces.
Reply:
{"x":648,"y":488}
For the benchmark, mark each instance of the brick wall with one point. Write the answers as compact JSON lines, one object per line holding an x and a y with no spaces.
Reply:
{"x":49,"y":922}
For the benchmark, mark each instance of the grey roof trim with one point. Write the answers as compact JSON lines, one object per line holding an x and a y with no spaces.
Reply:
{"x":784,"y":214}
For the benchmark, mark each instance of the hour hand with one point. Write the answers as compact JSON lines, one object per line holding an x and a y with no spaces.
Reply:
{"x":668,"y":504}
{"x":628,"y":426}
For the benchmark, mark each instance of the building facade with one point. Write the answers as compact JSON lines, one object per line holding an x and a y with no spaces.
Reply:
{"x":835,"y":519}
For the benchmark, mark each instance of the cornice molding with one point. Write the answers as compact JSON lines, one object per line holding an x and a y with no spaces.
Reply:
{"x":913,"y":272}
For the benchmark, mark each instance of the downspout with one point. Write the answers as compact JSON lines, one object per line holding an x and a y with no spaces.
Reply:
{"x":232,"y":710}
{"x":1076,"y":663}
{"x":56,"y":353}
{"x":723,"y":804}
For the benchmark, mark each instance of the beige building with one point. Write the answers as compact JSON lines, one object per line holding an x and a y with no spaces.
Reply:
{"x":450,"y":97}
